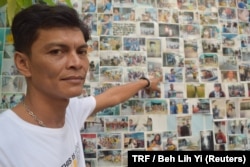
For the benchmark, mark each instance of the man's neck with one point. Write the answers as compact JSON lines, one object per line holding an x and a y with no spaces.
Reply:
{"x":51,"y":113}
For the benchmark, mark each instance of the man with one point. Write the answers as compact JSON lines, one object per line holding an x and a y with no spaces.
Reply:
{"x":171,"y":76}
{"x":184,"y":130}
{"x":51,"y":52}
{"x":216,"y":112}
{"x":230,"y":77}
{"x":171,"y":91}
{"x":217,"y":92}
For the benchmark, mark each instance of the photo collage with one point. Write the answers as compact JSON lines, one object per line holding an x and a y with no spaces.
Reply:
{"x":201,"y":49}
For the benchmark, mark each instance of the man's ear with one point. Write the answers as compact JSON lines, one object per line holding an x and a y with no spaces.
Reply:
{"x":22,"y":62}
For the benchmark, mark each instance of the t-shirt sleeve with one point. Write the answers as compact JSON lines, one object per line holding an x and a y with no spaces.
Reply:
{"x":81,"y":108}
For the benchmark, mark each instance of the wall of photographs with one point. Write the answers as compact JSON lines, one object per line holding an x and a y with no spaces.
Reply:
{"x":200,"y":47}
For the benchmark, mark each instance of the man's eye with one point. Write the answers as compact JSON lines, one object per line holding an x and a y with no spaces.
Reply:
{"x":82,"y":52}
{"x":55,"y":52}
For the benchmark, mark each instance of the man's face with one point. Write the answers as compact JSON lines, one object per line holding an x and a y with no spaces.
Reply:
{"x":230,"y":74}
{"x":217,"y":88}
{"x":58,"y":63}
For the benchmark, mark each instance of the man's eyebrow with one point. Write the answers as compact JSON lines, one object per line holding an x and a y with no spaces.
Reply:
{"x":63,"y":45}
{"x":84,"y":46}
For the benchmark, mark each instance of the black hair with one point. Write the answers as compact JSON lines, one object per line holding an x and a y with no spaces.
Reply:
{"x":27,"y":23}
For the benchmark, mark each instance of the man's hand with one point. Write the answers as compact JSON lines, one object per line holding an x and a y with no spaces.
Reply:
{"x":154,"y":85}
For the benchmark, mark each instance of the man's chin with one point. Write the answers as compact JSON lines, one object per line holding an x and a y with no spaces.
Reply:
{"x":75,"y":94}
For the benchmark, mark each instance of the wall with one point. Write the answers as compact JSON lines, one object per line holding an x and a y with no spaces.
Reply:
{"x":197,"y":46}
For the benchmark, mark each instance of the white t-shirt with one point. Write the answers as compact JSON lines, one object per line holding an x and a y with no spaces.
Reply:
{"x":25,"y":145}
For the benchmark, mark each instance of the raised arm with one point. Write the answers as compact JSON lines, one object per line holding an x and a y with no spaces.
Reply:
{"x":119,"y":94}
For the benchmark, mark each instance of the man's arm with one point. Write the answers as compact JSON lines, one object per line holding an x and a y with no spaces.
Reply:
{"x":119,"y":94}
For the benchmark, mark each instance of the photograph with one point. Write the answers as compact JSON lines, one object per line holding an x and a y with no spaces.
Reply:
{"x":111,"y":74}
{"x":93,"y":124}
{"x":207,"y":5}
{"x":195,"y":90}
{"x":124,"y":29}
{"x":134,"y":73}
{"x":164,"y":15}
{"x":216,"y":90}
{"x":187,"y":5}
{"x":208,"y":18}
{"x":89,"y":145}
{"x":244,"y":108}
{"x":190,"y":31}
{"x":2,"y":19}
{"x":211,"y":46}
{"x":154,"y":142}
{"x":238,"y":142}
{"x":172,"y":59}
{"x":172,"y":44}
{"x":123,"y":14}
{"x":184,"y":127}
{"x":174,"y":74}
{"x":134,"y":44}
{"x":110,"y":111}
{"x":154,"y":67}
{"x":93,"y":47}
{"x":236,"y":90}
{"x":220,"y":134}
{"x":219,"y":109}
{"x":227,"y":13}
{"x":188,"y":17}
{"x":104,"y":24}
{"x":147,"y":28}
{"x":110,"y":58}
{"x":93,"y":73}
{"x":131,"y":58}
{"x":179,"y":106}
{"x":10,"y":100}
{"x":8,"y":51}
{"x":90,"y":19}
{"x":189,"y":143}
{"x":13,"y":83}
{"x":146,"y":14}
{"x":116,"y":124}
{"x":229,"y":27}
{"x":191,"y":48}
{"x":206,"y":140}
{"x":134,"y":140}
{"x":108,"y":141}
{"x":89,"y":6}
{"x":244,"y":72}
{"x":132,"y":107}
{"x":200,"y":106}
{"x":153,"y":47}
{"x":208,"y":75}
{"x":191,"y":70}
{"x":140,"y":123}
{"x":232,"y":108}
{"x":174,"y":90}
{"x":109,"y":158}
{"x":229,"y":76}
{"x":169,"y":141}
{"x":166,"y":4}
{"x":156,"y":106}
{"x":169,"y":30}
{"x":208,"y":59}
{"x":9,"y":68}
{"x":229,"y":40}
{"x":90,"y":162}
{"x":110,"y":43}
{"x":210,"y":32}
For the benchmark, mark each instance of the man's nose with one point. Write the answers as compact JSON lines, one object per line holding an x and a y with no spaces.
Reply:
{"x":74,"y":60}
